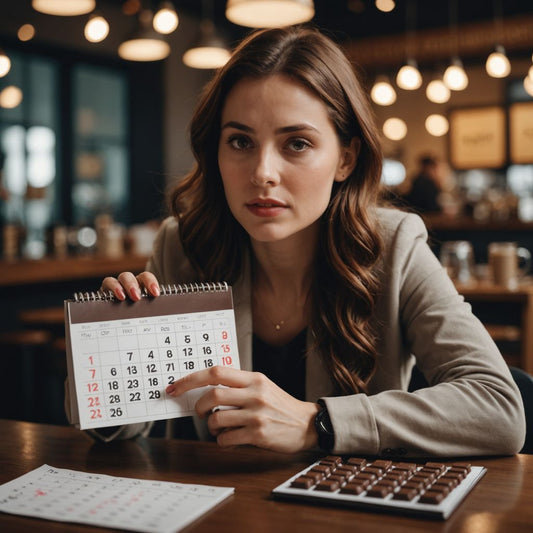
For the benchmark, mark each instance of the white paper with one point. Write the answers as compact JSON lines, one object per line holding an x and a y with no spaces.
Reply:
{"x":107,"y":501}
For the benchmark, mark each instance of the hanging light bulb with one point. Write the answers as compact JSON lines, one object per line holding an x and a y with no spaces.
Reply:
{"x":64,"y":8}
{"x":395,"y":129}
{"x":269,"y":13}
{"x":497,"y":64}
{"x":383,"y":92}
{"x":409,"y":77}
{"x":166,"y":19}
{"x":437,"y":125}
{"x":528,"y":85}
{"x":145,"y":44}
{"x":209,"y":51}
{"x":385,"y":5}
{"x":5,"y":63}
{"x":26,"y":32}
{"x":436,"y":91}
{"x":96,"y":29}
{"x":10,"y":97}
{"x":455,"y":76}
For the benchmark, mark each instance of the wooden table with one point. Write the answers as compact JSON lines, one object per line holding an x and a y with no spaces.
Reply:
{"x":501,"y":502}
{"x":483,"y":291}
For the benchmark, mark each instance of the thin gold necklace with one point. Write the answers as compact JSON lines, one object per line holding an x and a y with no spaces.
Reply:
{"x":278,"y":325}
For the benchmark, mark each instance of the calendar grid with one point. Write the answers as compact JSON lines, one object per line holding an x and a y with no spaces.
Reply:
{"x":122,"y":363}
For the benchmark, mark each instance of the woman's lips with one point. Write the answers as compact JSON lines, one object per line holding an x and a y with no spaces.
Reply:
{"x":266,"y":208}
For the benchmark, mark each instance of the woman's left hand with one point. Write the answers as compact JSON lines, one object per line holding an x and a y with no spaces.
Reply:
{"x":265,"y":415}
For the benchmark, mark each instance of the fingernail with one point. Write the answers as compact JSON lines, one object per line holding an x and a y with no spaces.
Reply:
{"x":120,"y":294}
{"x":155,"y":289}
{"x":135,"y":293}
{"x":170,"y":389}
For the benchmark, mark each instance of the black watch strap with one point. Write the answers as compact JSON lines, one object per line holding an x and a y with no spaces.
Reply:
{"x":324,"y":428}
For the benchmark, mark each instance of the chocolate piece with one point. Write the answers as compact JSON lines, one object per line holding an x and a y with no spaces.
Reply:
{"x":337,"y":477}
{"x":381,"y":463}
{"x":303,"y":482}
{"x":328,"y":486}
{"x":379,"y":491}
{"x":366,"y":475}
{"x":398,"y":476}
{"x":466,"y":468}
{"x":356,"y":461}
{"x":405,"y":494}
{"x":353,"y":488}
{"x":336,"y":459}
{"x":415,"y":485}
{"x":317,"y":476}
{"x":408,"y":467}
{"x":432,"y":496}
{"x":326,"y":470}
{"x":374,"y":470}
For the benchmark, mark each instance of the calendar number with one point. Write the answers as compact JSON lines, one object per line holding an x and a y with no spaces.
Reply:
{"x":95,"y":414}
{"x":189,"y":365}
{"x":133,"y":383}
{"x":208,"y":363}
{"x":114,"y":398}
{"x":113,"y":385}
{"x":154,"y":395}
{"x":115,"y":412}
{"x":93,"y":401}
{"x":135,"y":396}
{"x":227,"y":360}
{"x":93,"y":387}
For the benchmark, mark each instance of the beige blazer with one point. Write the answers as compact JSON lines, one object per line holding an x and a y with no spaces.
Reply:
{"x":473,"y":406}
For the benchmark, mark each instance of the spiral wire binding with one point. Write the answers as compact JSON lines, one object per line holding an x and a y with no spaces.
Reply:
{"x":166,"y":290}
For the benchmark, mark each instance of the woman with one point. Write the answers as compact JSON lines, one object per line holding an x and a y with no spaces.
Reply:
{"x":334,"y":297}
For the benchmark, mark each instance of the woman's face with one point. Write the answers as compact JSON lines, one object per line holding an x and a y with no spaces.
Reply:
{"x":279,"y":156}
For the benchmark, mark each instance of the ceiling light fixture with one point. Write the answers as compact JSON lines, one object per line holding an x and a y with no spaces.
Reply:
{"x":64,"y":8}
{"x":437,"y":125}
{"x":269,"y":13}
{"x":96,"y":29}
{"x":498,"y":65}
{"x":145,"y":44}
{"x":10,"y":97}
{"x":395,"y":129}
{"x":437,"y":91}
{"x":5,"y":63}
{"x":209,"y":49}
{"x":383,"y":93}
{"x":166,"y":19}
{"x":455,"y":76}
{"x":409,"y":77}
{"x":385,"y":5}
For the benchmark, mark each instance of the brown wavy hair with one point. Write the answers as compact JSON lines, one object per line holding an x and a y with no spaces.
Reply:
{"x":345,"y":286}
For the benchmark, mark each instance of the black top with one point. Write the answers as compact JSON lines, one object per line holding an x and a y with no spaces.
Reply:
{"x":284,"y":365}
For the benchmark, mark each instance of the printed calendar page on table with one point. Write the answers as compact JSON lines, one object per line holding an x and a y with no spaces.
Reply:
{"x":121,"y":356}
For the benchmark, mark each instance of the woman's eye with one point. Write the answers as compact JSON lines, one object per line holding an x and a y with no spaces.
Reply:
{"x":299,"y":145}
{"x":239,"y":143}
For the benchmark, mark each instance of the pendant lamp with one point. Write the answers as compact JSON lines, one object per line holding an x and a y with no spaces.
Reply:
{"x":209,"y":51}
{"x":64,"y":8}
{"x":269,"y":13}
{"x":145,"y":44}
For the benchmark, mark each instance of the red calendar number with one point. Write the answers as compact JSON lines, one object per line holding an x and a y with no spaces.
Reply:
{"x":92,"y":371}
{"x":226,"y":348}
{"x":226,"y":360}
{"x":95,"y":414}
{"x":94,"y":401}
{"x":224,"y":335}
{"x":93,"y":387}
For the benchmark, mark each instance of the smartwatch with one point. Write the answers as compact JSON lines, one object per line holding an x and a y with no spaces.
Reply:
{"x":324,"y":428}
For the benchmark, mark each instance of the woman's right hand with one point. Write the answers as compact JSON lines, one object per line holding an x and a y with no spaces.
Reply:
{"x":127,"y":285}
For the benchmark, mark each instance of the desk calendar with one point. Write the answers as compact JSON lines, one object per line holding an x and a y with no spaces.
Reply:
{"x":108,"y":501}
{"x":121,"y":356}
